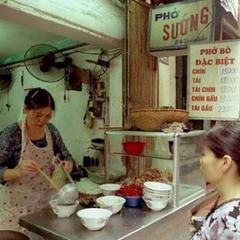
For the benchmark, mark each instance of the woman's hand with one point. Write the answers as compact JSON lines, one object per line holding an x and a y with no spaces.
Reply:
{"x":68,"y":165}
{"x":28,"y":166}
{"x":24,"y":168}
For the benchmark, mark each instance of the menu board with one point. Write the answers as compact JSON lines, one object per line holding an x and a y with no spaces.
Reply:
{"x":214,"y":80}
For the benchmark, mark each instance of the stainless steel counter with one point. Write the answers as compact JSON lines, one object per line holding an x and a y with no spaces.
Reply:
{"x":131,"y":223}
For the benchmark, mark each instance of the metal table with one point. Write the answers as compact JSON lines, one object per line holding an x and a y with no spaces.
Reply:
{"x":131,"y":223}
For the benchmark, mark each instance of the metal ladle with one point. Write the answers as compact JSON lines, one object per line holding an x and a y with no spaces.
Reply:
{"x":68,"y":193}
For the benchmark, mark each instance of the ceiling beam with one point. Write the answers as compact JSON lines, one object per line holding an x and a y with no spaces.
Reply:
{"x":69,"y":27}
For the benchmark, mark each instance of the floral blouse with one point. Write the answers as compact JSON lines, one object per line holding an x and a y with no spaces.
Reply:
{"x":11,"y":143}
{"x":223,"y":223}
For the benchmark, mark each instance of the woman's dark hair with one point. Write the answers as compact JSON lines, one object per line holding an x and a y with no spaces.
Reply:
{"x":224,"y":139}
{"x":38,"y":98}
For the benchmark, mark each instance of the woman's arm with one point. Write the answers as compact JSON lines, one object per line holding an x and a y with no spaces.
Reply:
{"x":10,"y":148}
{"x":24,"y":168}
{"x":60,"y":149}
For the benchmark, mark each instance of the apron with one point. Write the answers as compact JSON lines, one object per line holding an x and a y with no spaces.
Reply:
{"x":31,"y":192}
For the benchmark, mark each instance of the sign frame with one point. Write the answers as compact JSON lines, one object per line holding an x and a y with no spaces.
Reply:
{"x":182,"y":48}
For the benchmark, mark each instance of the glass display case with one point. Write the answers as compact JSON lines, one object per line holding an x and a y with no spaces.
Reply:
{"x":174,"y":155}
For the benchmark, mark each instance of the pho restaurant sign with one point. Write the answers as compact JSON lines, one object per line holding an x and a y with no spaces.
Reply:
{"x":172,"y":26}
{"x":214,"y":80}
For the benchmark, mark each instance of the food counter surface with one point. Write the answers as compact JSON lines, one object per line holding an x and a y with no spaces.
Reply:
{"x":130,"y":223}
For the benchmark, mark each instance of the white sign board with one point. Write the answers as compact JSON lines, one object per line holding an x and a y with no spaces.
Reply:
{"x":172,"y":26}
{"x":214,"y":80}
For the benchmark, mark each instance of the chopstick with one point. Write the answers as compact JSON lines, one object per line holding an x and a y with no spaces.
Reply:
{"x":67,"y":174}
{"x":48,"y":179}
{"x":65,"y":171}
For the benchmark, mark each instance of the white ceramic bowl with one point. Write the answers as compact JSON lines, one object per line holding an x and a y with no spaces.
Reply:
{"x":158,"y":187}
{"x":94,"y":218}
{"x":156,"y":205}
{"x":109,"y":188}
{"x":156,"y":195}
{"x":63,"y":211}
{"x":113,"y":203}
{"x":150,"y":198}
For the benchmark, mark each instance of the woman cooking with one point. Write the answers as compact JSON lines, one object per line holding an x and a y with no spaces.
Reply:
{"x":26,"y":147}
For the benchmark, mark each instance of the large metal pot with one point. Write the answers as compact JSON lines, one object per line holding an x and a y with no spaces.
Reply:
{"x":12,"y":235}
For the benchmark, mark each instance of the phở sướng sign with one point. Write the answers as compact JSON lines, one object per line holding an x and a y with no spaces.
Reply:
{"x":172,"y":26}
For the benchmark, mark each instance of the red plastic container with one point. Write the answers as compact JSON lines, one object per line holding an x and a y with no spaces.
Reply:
{"x":134,"y":148}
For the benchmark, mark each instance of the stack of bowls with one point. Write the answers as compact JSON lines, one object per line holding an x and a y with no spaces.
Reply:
{"x":156,"y":195}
